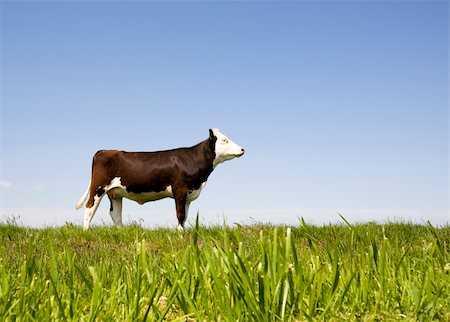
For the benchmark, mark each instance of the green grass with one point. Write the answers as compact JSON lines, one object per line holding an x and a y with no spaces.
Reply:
{"x":366,"y":272}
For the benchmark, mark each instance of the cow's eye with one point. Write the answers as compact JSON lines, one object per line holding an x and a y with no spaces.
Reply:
{"x":225,"y":140}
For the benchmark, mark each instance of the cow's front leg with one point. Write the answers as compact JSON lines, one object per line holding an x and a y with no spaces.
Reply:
{"x":180,"y":203}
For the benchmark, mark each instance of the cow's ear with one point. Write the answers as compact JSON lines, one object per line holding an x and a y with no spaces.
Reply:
{"x":212,"y":137}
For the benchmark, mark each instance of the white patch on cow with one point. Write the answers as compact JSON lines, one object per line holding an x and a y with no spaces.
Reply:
{"x":144,"y":197}
{"x":116,"y":212}
{"x":225,"y":148}
{"x":89,"y":212}
{"x":186,"y":211}
{"x":117,"y":190}
{"x":194,"y":194}
{"x":115,"y":183}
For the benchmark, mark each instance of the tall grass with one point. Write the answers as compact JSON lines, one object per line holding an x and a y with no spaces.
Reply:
{"x":248,"y":273}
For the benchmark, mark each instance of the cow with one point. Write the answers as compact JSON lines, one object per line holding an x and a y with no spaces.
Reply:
{"x":180,"y":174}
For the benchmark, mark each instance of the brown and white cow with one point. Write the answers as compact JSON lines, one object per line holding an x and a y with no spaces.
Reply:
{"x":180,"y":174}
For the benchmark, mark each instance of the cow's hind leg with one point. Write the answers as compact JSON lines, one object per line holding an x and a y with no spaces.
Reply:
{"x":116,"y":210}
{"x":91,"y":206}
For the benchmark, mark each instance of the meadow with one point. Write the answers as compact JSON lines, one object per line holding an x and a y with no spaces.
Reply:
{"x":365,"y":272}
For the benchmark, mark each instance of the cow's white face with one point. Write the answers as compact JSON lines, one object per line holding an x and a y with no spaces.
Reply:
{"x":225,"y":148}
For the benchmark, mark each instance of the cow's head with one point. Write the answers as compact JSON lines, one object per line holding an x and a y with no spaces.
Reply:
{"x":224,"y":148}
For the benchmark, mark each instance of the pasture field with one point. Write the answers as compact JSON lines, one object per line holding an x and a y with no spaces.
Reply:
{"x":366,"y":272}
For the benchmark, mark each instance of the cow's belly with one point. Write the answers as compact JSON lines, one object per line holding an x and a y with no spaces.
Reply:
{"x":116,"y":190}
{"x":141,"y":197}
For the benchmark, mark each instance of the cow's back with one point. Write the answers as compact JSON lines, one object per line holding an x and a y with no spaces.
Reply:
{"x":138,"y":171}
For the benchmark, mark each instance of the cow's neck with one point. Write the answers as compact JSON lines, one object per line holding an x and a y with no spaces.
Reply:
{"x":205,"y":152}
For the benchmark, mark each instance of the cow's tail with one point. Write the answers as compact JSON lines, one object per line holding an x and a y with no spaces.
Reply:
{"x":83,"y":198}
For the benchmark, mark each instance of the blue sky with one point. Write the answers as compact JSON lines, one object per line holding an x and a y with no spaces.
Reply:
{"x":342,"y":107}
